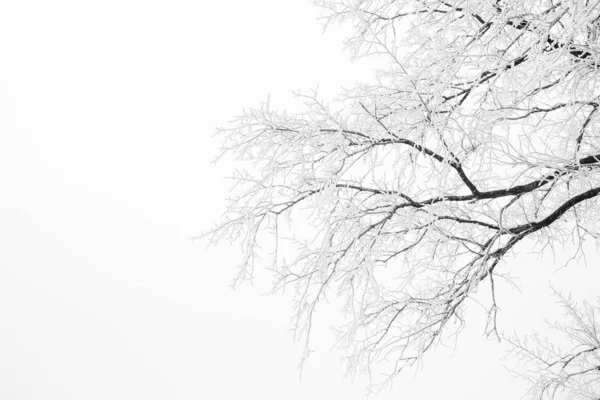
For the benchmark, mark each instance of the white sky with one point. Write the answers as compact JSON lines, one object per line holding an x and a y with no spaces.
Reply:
{"x":107,"y":110}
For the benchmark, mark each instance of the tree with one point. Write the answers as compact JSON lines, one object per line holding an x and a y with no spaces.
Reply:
{"x":479,"y":137}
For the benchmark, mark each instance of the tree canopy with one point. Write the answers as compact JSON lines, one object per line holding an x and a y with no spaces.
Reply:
{"x":405,"y":196}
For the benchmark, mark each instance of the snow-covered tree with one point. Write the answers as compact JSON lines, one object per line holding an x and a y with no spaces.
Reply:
{"x":480,"y":136}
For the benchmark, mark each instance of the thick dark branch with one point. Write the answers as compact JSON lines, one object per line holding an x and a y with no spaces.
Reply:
{"x":470,"y":221}
{"x":463,"y":177}
{"x":518,"y":189}
{"x":492,"y":194}
{"x":584,"y":126}
{"x":590,"y":159}
{"x":484,"y":77}
{"x":378,"y":191}
{"x":454,"y":163}
{"x":416,"y":146}
{"x":566,"y":206}
{"x":566,"y":360}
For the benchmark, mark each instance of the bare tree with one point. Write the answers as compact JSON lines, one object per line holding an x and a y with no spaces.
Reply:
{"x":479,"y":136}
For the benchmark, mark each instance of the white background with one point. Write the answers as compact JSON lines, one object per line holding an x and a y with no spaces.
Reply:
{"x":107,"y":111}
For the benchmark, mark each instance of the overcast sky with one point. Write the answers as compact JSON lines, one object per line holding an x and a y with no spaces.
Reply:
{"x":107,"y":111}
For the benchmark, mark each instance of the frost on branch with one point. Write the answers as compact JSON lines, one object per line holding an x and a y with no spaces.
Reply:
{"x":404,"y":197}
{"x":553,"y":370}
